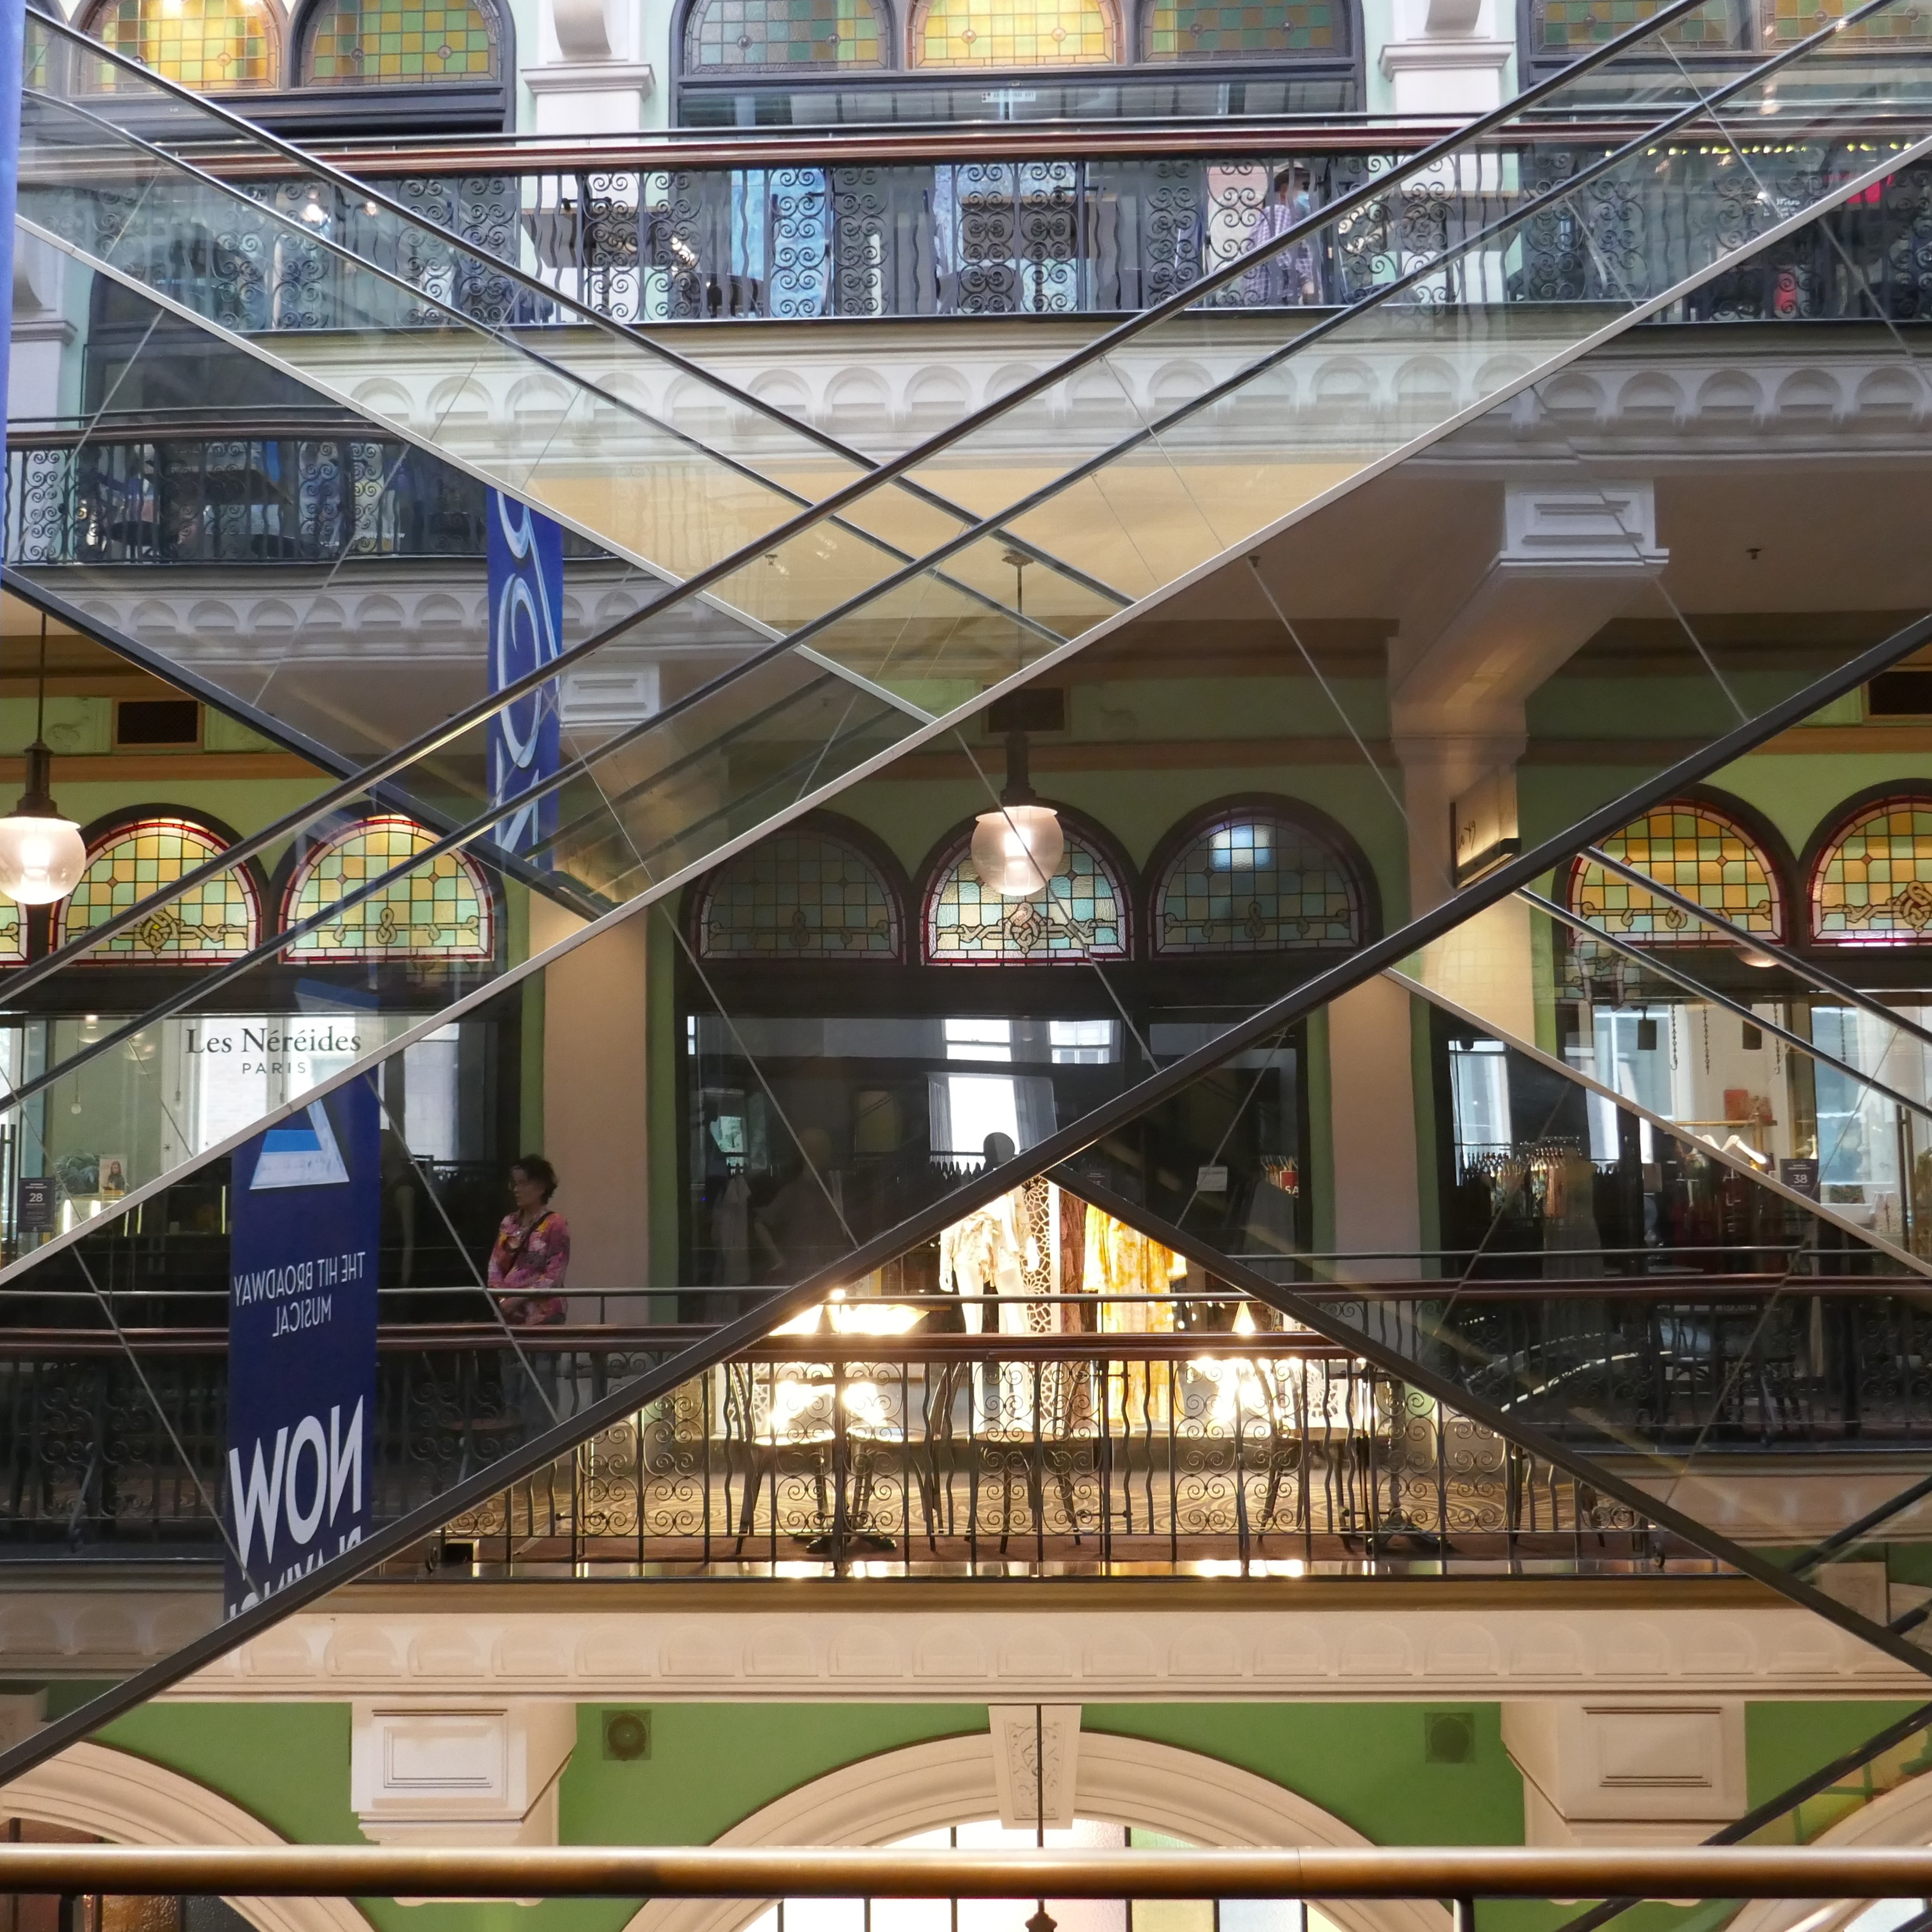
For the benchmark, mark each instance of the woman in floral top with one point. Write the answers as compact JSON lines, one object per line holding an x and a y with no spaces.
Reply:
{"x":533,"y":1252}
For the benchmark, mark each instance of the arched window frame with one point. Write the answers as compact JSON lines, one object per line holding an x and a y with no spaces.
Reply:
{"x":1824,"y":846}
{"x":956,"y":848}
{"x":275,"y":20}
{"x":1307,"y":822}
{"x":829,"y":826}
{"x":1736,"y":818}
{"x":138,"y":947}
{"x":302,"y":863}
{"x":302,"y":40}
{"x":891,"y":49}
{"x":1118,"y":52}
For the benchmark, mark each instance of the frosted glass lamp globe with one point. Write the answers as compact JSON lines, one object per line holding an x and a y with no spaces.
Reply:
{"x":1017,"y":849}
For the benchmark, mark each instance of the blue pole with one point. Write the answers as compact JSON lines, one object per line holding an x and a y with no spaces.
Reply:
{"x":13,"y":38}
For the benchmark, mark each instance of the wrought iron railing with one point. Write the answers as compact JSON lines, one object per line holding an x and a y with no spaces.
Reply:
{"x":316,"y":496}
{"x":803,"y":238}
{"x":1092,"y":1435}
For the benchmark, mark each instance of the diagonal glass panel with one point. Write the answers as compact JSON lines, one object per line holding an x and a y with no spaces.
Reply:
{"x":634,"y":815}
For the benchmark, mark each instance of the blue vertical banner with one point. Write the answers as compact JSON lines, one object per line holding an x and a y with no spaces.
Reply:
{"x":304,"y":1231}
{"x":13,"y":73}
{"x":526,"y":633}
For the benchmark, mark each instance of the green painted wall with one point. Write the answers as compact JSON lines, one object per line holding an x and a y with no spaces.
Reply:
{"x":711,"y":1765}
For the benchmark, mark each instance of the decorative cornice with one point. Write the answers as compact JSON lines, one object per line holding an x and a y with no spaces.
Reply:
{"x":1396,"y":1650}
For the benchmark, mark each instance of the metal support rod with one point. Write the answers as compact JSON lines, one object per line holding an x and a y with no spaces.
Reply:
{"x":1458,"y":1873}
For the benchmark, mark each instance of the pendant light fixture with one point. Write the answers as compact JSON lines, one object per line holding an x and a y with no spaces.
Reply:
{"x":42,"y":855}
{"x":1018,"y":848}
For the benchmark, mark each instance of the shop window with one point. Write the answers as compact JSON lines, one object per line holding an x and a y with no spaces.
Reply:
{"x":1013,"y":33}
{"x":441,"y":909}
{"x":1082,"y":915}
{"x":799,"y":895}
{"x":388,"y":42}
{"x":219,"y":919}
{"x":1231,"y":30}
{"x":1696,"y":851}
{"x":209,"y":45}
{"x":1254,"y":882}
{"x":1559,"y":27}
{"x":1872,"y":885}
{"x":801,"y":35}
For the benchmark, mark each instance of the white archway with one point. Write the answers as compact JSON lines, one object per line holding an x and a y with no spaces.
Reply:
{"x":1119,"y":1780}
{"x":127,"y":1801}
{"x":1903,"y":1817}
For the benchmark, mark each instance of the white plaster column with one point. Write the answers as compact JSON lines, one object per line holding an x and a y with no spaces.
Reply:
{"x":589,"y":78}
{"x":1446,"y":59}
{"x":596,"y":1100}
{"x":1372,"y":1104}
{"x":43,"y":333}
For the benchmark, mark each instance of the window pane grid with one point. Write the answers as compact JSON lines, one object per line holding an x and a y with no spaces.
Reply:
{"x":217,"y":920}
{"x":439,"y":910}
{"x":208,"y":44}
{"x":1199,"y":32}
{"x":1082,"y":915}
{"x":1873,"y":883}
{"x":1252,"y":884}
{"x":801,"y":896}
{"x":784,"y":34}
{"x":1695,"y":852}
{"x":388,"y":40}
{"x":1011,"y":33}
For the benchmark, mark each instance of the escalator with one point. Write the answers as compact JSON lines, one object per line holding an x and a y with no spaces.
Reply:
{"x":641,"y":806}
{"x":647,"y":810}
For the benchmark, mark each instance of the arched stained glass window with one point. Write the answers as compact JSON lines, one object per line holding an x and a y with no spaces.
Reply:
{"x":1215,"y":29}
{"x":1571,"y":26}
{"x":799,"y":34}
{"x":1872,"y":885}
{"x":1013,"y":33}
{"x":363,"y":42}
{"x":441,"y":910}
{"x":1082,"y":915}
{"x":1254,"y":882}
{"x":798,"y":895}
{"x":215,"y":921}
{"x":205,"y":44}
{"x":1694,"y":851}
{"x":12,"y":935}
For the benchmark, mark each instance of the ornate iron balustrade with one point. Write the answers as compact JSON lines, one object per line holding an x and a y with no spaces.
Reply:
{"x":811,"y":238}
{"x":1086,"y":1453}
{"x":1206,"y":1448}
{"x":312,"y":496}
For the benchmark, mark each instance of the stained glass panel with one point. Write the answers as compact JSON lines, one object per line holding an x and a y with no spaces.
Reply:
{"x":798,"y":895}
{"x":1873,"y":883}
{"x":207,"y":44}
{"x":1201,"y":29}
{"x":784,"y":33}
{"x":1695,"y":851}
{"x":1783,"y":22}
{"x":1569,"y":26}
{"x":389,"y":41}
{"x":218,"y":920}
{"x":1082,"y":915}
{"x":1252,"y":883}
{"x":13,"y":936}
{"x":439,"y":910}
{"x":1011,"y":33}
